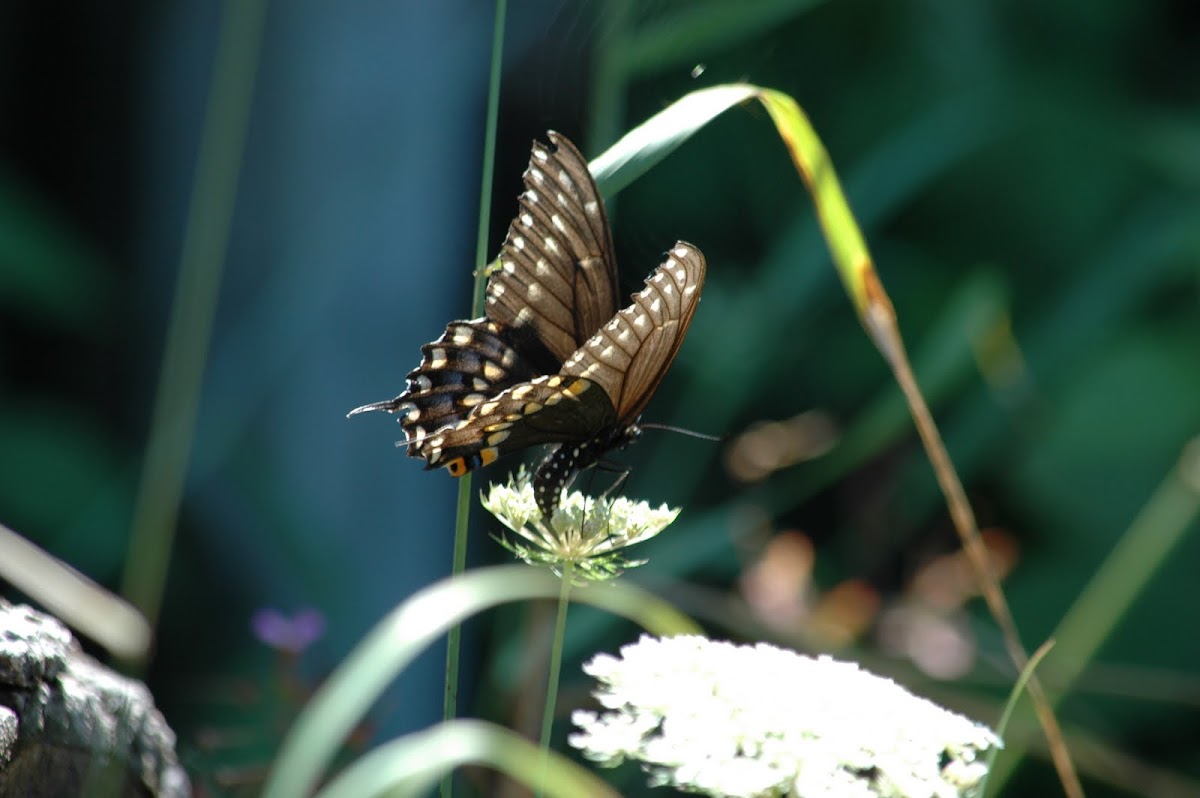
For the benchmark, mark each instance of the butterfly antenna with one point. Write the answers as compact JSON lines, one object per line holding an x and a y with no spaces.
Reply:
{"x":682,"y":431}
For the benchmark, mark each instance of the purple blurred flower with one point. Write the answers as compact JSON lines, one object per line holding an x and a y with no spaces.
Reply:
{"x":292,"y":634}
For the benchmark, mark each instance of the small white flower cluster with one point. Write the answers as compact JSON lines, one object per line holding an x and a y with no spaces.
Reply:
{"x":760,"y":721}
{"x":586,"y":534}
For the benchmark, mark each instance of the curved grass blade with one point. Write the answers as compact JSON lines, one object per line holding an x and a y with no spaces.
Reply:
{"x":411,"y":765}
{"x":343,"y":700}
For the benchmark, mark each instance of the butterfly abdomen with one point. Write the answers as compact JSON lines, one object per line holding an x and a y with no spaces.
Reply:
{"x":559,"y":469}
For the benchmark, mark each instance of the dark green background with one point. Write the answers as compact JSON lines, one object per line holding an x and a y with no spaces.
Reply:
{"x":1039,"y":160}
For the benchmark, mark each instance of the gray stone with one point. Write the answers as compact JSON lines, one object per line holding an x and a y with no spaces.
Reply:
{"x":68,"y":723}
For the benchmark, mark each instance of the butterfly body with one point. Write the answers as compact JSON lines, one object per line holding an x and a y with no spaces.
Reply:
{"x":553,"y":361}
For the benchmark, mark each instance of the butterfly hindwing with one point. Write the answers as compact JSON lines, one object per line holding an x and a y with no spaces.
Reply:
{"x":471,"y":362}
{"x":547,"y":409}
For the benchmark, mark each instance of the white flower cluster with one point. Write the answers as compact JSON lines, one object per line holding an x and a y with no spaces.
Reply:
{"x":586,"y":533}
{"x":760,"y":721}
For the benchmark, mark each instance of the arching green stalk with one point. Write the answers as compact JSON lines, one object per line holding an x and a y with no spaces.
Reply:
{"x":463,"y":511}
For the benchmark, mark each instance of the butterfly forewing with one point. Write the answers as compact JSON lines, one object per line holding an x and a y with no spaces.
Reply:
{"x":556,"y":271}
{"x":630,"y":354}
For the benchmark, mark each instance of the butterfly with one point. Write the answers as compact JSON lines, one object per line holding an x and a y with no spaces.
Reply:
{"x":553,"y":360}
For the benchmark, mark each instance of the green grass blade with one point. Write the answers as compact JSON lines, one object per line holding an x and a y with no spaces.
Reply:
{"x":411,"y":765}
{"x":343,"y":700}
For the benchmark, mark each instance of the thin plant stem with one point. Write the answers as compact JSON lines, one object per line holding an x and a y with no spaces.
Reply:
{"x":189,"y":331}
{"x":1009,"y":707}
{"x":489,"y":157}
{"x":878,"y":316}
{"x":1145,"y":548}
{"x":880,"y":321}
{"x":556,"y":652}
{"x":463,"y":509}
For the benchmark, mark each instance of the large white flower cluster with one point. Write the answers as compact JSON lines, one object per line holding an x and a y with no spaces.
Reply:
{"x":760,"y":721}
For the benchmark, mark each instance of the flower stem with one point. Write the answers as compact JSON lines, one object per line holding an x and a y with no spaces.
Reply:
{"x":560,"y":629}
{"x":454,"y":638}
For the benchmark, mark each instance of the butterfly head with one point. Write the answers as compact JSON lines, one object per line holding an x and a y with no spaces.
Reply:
{"x":626,"y":436}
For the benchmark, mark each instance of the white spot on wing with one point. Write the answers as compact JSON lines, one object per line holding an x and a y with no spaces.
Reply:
{"x":681,"y":252}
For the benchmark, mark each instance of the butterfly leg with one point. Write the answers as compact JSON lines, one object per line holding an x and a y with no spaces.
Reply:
{"x":622,"y":472}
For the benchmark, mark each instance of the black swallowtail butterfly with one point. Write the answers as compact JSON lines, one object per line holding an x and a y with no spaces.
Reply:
{"x":552,"y":361}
